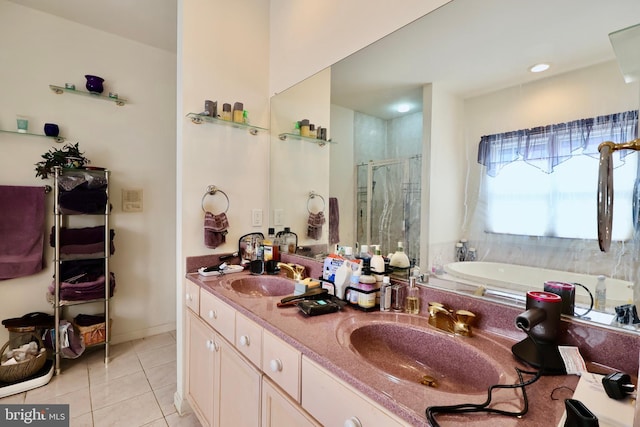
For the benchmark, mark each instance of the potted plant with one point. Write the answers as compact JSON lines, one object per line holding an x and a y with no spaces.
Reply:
{"x":68,"y":156}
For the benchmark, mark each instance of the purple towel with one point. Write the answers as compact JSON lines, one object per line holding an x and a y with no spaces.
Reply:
{"x":22,"y":230}
{"x":334,"y":221}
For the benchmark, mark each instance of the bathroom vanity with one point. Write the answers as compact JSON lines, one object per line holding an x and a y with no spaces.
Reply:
{"x":293,"y":370}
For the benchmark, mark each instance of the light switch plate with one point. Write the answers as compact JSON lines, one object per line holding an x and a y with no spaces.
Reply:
{"x":256,"y":217}
{"x":278,"y":215}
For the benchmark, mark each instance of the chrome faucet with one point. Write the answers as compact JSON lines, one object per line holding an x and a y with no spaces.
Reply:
{"x":293,"y":271}
{"x":458,"y":323}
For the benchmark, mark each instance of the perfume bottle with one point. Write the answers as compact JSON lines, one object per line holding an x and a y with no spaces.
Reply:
{"x":412,"y":300}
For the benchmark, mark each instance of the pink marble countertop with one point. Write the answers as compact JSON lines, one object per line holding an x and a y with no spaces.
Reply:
{"x":321,"y":339}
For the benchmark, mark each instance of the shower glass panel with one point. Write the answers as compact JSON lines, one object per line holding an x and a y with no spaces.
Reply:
{"x":388,"y":204}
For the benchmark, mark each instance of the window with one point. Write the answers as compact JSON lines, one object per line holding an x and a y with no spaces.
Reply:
{"x":543,"y":181}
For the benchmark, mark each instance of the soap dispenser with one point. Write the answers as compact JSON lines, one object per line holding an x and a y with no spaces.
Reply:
{"x":399,"y":259}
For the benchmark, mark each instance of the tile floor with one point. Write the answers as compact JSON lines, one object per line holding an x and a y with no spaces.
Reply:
{"x":135,"y":389}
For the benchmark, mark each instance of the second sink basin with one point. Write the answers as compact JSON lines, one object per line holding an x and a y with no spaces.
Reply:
{"x":406,"y":349}
{"x":261,"y":286}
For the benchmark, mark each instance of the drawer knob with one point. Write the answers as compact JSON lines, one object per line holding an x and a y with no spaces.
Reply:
{"x":275,"y":365}
{"x":188,"y":297}
{"x":209,"y":344}
{"x":244,"y":340}
{"x":353,"y":422}
{"x":213,"y":314}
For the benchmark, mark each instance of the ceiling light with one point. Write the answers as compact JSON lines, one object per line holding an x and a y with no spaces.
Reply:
{"x":538,"y":68}
{"x":403,"y":108}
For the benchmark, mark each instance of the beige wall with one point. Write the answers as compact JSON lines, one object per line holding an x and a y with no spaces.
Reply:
{"x":136,"y":142}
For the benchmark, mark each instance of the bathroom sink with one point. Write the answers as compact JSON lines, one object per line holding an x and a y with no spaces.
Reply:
{"x":263,"y":286}
{"x":406,"y":349}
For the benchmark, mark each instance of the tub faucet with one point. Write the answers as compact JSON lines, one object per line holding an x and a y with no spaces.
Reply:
{"x":458,"y":323}
{"x":293,"y":271}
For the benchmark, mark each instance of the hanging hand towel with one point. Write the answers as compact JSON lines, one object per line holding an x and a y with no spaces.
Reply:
{"x":314,"y":225}
{"x":22,"y":229}
{"x":334,"y":221}
{"x":215,"y":229}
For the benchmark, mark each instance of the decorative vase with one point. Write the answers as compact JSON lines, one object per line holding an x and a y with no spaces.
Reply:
{"x":94,"y":83}
{"x":51,"y":129}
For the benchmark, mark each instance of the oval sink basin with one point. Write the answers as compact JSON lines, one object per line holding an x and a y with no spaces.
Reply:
{"x":406,"y":349}
{"x":263,"y":286}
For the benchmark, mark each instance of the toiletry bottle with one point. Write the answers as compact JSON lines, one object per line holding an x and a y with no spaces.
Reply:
{"x":600,"y":300}
{"x":238,"y":111}
{"x":226,"y":112}
{"x":269,"y":248}
{"x":312,"y":130}
{"x":291,"y":240}
{"x":377,"y":262}
{"x":412,"y":300}
{"x":398,"y":292}
{"x":352,"y":295}
{"x":459,"y":252}
{"x":385,"y":294}
{"x":367,"y":283}
{"x":471,"y":255}
{"x":399,"y":259}
{"x":304,"y":128}
{"x":245,"y":117}
{"x":365,"y":258}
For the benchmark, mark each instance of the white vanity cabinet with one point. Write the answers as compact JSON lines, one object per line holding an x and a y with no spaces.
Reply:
{"x":201,"y":367}
{"x":335,"y":403}
{"x":192,"y":296}
{"x":279,"y":410}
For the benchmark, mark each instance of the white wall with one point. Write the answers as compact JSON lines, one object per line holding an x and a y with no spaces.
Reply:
{"x":136,"y":142}
{"x":307,"y":37}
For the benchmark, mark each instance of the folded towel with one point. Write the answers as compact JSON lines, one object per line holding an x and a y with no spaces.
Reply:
{"x":22,"y":217}
{"x":81,"y":201}
{"x":82,"y":242}
{"x":215,"y":229}
{"x":334,"y":221}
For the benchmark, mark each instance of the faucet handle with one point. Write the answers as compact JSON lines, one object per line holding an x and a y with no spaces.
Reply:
{"x":464,"y":319}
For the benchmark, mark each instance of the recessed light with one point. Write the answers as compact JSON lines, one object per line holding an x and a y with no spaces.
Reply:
{"x":403,"y":108}
{"x":538,"y":68}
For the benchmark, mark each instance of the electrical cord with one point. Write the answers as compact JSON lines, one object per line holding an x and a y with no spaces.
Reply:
{"x":484,"y":407}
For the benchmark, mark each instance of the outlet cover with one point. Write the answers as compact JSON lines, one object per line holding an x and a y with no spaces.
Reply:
{"x":256,"y":217}
{"x":132,"y":200}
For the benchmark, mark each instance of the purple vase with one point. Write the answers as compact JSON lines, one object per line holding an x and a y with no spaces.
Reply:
{"x":94,"y":83}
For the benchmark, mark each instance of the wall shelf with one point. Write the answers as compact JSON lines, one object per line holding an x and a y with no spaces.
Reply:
{"x":61,"y":89}
{"x":57,"y":139}
{"x":200,"y":118}
{"x":320,"y":142}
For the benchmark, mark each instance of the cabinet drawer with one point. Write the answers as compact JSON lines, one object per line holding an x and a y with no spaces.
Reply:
{"x":345,"y":407}
{"x":218,"y":314}
{"x":282,"y":363}
{"x":278,"y":410}
{"x":192,"y":295}
{"x":249,"y":339}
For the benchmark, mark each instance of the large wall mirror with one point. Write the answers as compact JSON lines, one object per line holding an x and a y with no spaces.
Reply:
{"x":408,"y":116}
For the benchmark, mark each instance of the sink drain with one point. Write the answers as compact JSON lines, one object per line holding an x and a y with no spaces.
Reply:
{"x":429,"y":381}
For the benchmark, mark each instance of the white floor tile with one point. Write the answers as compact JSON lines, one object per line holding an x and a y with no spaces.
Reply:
{"x":79,"y":401}
{"x":186,"y":420}
{"x":160,"y":376}
{"x":85,"y":420}
{"x":157,"y":356}
{"x":119,"y":390}
{"x":155,"y":341}
{"x":136,"y":411}
{"x":165,"y":396}
{"x":121,"y":366}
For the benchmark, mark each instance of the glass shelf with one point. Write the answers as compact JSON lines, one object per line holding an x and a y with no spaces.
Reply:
{"x":200,"y":118}
{"x":320,"y":142}
{"x":61,"y":89}
{"x":57,"y":139}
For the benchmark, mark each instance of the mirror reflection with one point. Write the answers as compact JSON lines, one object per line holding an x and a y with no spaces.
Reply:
{"x":464,"y":73}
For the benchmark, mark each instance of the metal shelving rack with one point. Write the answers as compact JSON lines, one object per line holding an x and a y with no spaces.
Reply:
{"x":59,"y":221}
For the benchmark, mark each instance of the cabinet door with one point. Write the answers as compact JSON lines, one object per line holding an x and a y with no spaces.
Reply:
{"x":200,"y":368}
{"x":278,"y":410}
{"x":192,"y":296}
{"x":218,"y":314}
{"x":249,"y":339}
{"x":281,"y":363}
{"x":238,"y":395}
{"x":345,"y":407}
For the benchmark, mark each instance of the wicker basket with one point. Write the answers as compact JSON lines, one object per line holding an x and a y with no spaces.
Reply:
{"x":92,"y":334}
{"x":23,"y":369}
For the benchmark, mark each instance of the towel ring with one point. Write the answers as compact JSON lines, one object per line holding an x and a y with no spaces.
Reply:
{"x":212,"y":190}
{"x":313,"y":195}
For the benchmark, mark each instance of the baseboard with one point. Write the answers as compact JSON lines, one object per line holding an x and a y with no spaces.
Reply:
{"x":180,"y":403}
{"x":143,"y":333}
